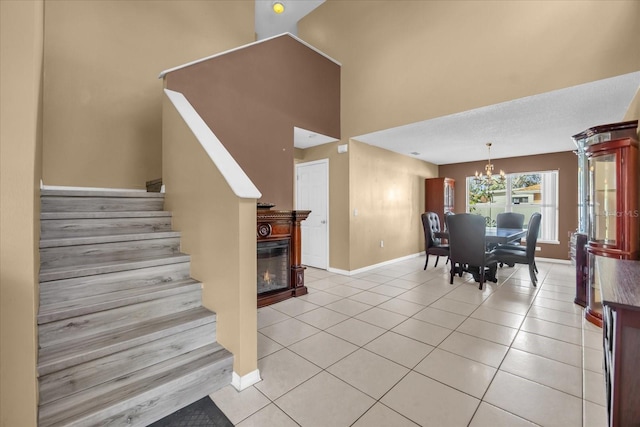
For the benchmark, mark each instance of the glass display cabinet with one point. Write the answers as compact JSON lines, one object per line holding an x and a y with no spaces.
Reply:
{"x":609,"y":186}
{"x":578,"y":239}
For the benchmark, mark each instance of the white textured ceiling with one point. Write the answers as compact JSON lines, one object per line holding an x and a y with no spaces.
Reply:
{"x":526,"y":126}
{"x":303,"y":138}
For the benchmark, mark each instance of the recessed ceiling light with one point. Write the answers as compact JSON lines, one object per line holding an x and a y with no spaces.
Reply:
{"x":415,"y":153}
{"x":278,"y":7}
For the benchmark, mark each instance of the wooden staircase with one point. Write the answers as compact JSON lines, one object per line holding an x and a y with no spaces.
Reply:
{"x":123,"y":337}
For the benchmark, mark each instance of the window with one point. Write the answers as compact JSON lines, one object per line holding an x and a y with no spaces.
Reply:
{"x":525,"y":193}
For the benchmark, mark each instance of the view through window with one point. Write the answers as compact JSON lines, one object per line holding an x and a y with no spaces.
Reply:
{"x":524,"y":193}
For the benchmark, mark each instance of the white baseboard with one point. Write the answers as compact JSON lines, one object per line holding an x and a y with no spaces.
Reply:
{"x":64,"y":187}
{"x":240,"y":383}
{"x":554,"y":260}
{"x":372,"y":267}
{"x":382,"y":264}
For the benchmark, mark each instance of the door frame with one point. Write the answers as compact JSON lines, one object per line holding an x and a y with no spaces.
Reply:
{"x":324,"y":162}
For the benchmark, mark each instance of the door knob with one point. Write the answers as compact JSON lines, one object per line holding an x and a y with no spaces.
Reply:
{"x":323,"y":222}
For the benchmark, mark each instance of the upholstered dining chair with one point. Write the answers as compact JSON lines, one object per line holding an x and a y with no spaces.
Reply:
{"x":510,"y":220}
{"x":433,"y":244}
{"x":512,"y":254}
{"x":447,"y":215}
{"x":467,"y":248}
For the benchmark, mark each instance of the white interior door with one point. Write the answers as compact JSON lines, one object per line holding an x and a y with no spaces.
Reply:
{"x":312,"y":193}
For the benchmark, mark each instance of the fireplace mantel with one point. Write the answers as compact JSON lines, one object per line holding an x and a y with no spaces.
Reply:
{"x":283,"y":225}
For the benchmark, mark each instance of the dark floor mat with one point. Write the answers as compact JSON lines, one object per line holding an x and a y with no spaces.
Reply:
{"x":203,"y":413}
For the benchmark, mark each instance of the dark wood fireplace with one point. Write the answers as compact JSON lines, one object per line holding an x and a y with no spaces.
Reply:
{"x":280,"y":272}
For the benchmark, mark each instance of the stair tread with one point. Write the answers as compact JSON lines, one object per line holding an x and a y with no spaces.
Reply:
{"x":58,"y":273}
{"x":56,"y":291}
{"x":69,"y":353}
{"x":109,"y":238}
{"x":102,"y":215}
{"x":99,"y":302}
{"x":77,"y":378}
{"x":137,"y":388}
{"x":101,"y":193}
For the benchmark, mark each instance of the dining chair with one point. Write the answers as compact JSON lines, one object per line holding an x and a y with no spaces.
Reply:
{"x":512,"y":254}
{"x":446,"y":216}
{"x":433,"y":245}
{"x":467,"y":248}
{"x":509,"y":220}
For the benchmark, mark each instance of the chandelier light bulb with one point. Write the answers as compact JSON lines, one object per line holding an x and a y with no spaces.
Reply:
{"x":488,"y":168}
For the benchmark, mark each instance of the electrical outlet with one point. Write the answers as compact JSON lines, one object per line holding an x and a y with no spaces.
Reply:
{"x":382,"y":243}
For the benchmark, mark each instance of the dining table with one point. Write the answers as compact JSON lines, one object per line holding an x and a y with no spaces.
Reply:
{"x":495,"y":235}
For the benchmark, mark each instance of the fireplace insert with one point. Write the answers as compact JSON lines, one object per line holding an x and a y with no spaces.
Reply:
{"x":273,"y":265}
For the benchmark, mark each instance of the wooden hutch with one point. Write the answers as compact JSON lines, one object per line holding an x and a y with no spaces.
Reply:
{"x":439,"y":196}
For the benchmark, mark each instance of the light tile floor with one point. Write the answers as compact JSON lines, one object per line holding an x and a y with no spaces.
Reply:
{"x":400,"y":346}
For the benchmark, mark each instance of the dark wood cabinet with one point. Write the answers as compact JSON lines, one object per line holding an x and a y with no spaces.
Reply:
{"x":620,"y":286}
{"x":439,"y":195}
{"x":612,"y":223}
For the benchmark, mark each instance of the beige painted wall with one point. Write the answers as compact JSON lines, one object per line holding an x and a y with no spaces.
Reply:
{"x":633,"y":113}
{"x":102,"y":97}
{"x":218,"y":231}
{"x":20,"y":172}
{"x":405,"y":61}
{"x":387,"y":189}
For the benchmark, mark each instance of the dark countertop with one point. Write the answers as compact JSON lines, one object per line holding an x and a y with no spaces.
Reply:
{"x":619,"y":282}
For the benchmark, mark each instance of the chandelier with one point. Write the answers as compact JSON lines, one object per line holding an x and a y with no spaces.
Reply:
{"x":488,"y":177}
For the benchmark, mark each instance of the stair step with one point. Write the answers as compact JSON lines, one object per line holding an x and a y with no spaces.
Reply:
{"x":61,"y":291}
{"x":67,"y":272}
{"x":102,"y":322}
{"x":137,"y":201}
{"x":69,"y":224}
{"x":81,"y":254}
{"x":145,"y":396}
{"x":137,"y":194}
{"x":92,"y":304}
{"x":96,"y":240}
{"x":82,"y":350}
{"x":74,"y":379}
{"x":103,"y":215}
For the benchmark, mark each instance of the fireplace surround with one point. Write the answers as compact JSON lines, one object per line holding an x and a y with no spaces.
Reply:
{"x":280,"y":274}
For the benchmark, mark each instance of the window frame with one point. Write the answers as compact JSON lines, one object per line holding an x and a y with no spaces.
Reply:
{"x":549,"y":232}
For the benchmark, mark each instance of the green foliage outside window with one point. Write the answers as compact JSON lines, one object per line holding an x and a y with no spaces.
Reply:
{"x":482,"y":195}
